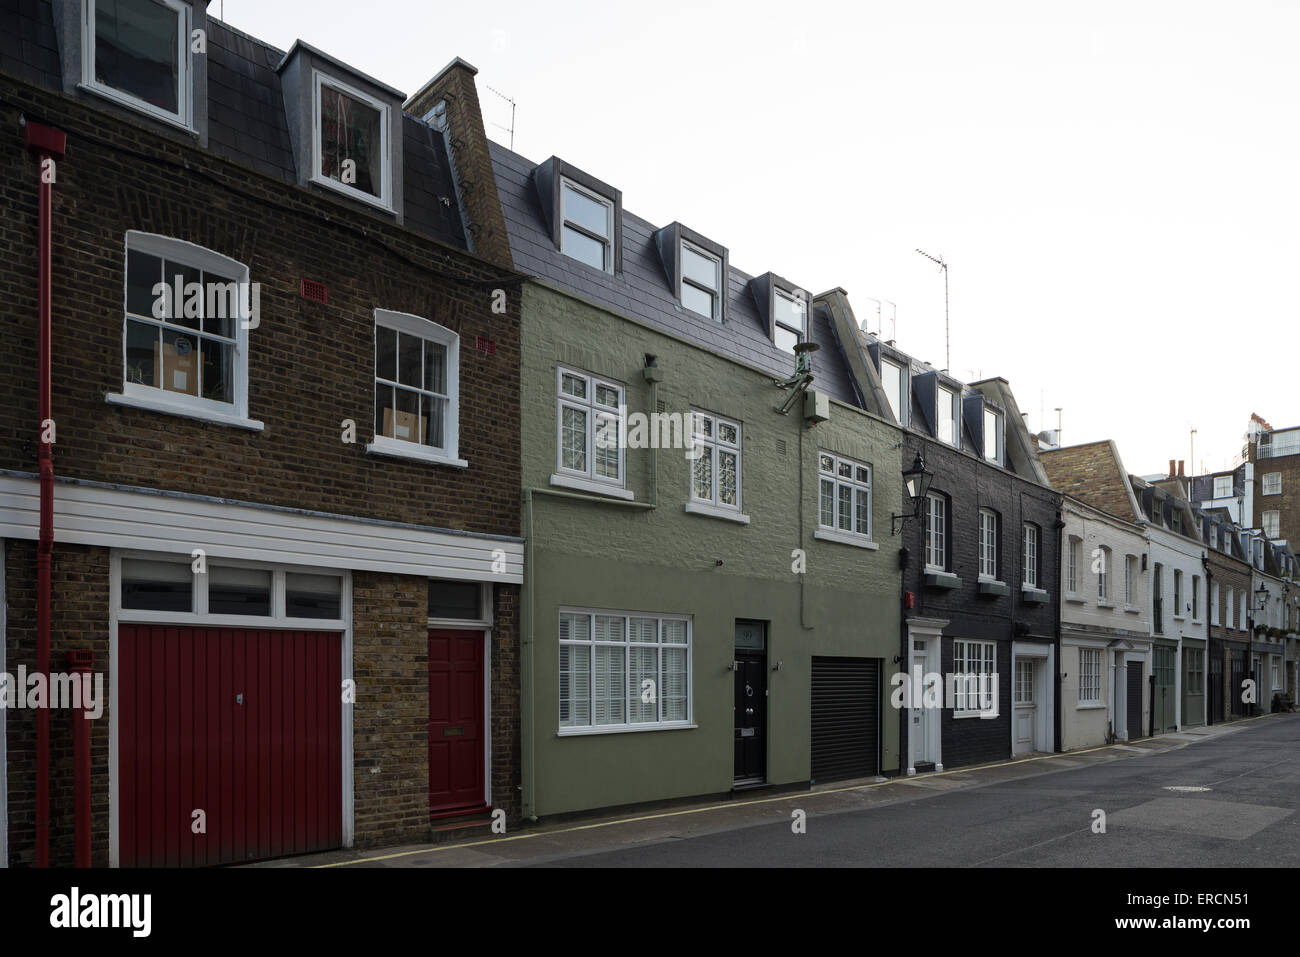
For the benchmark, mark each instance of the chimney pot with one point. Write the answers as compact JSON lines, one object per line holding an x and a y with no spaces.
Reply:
{"x":1171,"y":468}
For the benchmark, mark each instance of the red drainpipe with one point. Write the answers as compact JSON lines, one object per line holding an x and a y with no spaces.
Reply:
{"x":48,"y":144}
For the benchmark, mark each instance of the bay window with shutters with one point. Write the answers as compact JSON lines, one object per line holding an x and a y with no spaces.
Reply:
{"x":844,"y":498}
{"x":185,"y":333}
{"x":623,"y":671}
{"x":589,"y":433}
{"x":975,"y":671}
{"x":416,"y":389}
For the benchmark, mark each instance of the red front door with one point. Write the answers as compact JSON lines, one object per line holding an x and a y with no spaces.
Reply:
{"x":455,"y":721}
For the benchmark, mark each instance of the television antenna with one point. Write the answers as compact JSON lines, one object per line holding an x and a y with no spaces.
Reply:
{"x":947,"y":351}
{"x":511,"y":128}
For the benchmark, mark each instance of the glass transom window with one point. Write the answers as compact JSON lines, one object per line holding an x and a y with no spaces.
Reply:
{"x":137,"y":51}
{"x":844,"y":500}
{"x":351,"y":142}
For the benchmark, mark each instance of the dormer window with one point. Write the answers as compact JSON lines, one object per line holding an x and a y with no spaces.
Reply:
{"x":949,"y":423}
{"x":791,"y":314}
{"x":351,"y":142}
{"x":893,"y":378}
{"x":993,"y":438}
{"x":137,"y":52}
{"x":587,"y":233}
{"x":701,"y":281}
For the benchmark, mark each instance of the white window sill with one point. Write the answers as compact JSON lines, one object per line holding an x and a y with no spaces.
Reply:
{"x":591,"y":485}
{"x":360,"y":195}
{"x":991,"y":713}
{"x":1075,"y":600}
{"x":624,"y":729}
{"x":1090,"y":706}
{"x":845,"y":538}
{"x":1179,"y":618}
{"x":714,"y":511}
{"x":413,"y":450}
{"x":1130,"y":610}
{"x":1104,"y":604}
{"x":184,"y":411}
{"x":139,"y":106}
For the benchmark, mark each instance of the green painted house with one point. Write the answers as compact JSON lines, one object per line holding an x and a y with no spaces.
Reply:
{"x":712,"y":592}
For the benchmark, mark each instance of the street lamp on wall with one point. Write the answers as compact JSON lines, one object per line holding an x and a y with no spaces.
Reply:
{"x":916,"y":483}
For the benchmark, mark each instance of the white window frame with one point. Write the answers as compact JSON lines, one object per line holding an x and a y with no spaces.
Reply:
{"x":936,"y":533}
{"x":1196,"y":598}
{"x":1029,"y":555}
{"x":592,"y":643}
{"x":701,"y":446}
{"x":966,"y":652}
{"x":852,"y":484}
{"x":1229,"y":606}
{"x":1089,"y":677}
{"x":898,"y":403}
{"x":1074,"y":553}
{"x":199,"y":613}
{"x":1217,"y":492}
{"x":420,"y":328}
{"x":588,"y":479}
{"x":1103,"y":576}
{"x":1271,"y":483}
{"x":157,"y":399}
{"x":607,"y":240}
{"x":992,"y":415}
{"x":184,"y":115}
{"x":385,"y":199}
{"x":1216,"y":601}
{"x":953,"y":437}
{"x":801,"y":301}
{"x":1275,"y":523}
{"x":988,"y":545}
{"x":715,"y":292}
{"x":1024,"y":689}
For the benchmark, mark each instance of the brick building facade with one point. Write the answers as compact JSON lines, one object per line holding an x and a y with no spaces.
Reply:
{"x":326,"y":501}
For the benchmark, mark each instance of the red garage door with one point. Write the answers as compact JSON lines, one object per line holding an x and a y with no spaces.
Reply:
{"x":241,"y":724}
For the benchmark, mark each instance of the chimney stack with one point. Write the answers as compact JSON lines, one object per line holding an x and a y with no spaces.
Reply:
{"x":1171,"y":468}
{"x":1181,"y":463}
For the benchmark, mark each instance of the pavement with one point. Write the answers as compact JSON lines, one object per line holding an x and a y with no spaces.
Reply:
{"x":1221,"y":796}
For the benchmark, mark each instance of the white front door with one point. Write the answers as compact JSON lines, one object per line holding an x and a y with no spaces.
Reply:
{"x":1025,"y":706}
{"x":918,"y":729}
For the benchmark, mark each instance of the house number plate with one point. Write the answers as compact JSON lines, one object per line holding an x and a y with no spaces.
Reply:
{"x":454,"y":731}
{"x":746,"y":732}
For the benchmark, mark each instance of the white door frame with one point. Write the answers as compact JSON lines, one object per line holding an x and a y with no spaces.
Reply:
{"x":931,"y":631}
{"x":4,"y":714}
{"x":1044,"y":703}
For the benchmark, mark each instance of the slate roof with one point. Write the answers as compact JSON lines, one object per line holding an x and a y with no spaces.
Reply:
{"x":642,"y":291}
{"x":246,"y":112}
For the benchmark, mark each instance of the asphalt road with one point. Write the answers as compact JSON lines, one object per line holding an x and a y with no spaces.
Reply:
{"x":1245,"y":818}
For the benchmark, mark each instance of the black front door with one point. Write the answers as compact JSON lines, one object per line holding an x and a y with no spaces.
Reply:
{"x":751,"y":704}
{"x":1134,"y":701}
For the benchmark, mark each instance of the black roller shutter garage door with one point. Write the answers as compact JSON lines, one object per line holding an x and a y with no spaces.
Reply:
{"x":845,"y":718}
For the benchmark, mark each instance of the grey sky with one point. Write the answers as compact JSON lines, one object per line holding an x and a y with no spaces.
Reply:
{"x":1113,"y":183}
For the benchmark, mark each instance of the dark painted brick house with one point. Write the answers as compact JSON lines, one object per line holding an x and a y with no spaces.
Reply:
{"x":294,"y":527}
{"x":981,"y":586}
